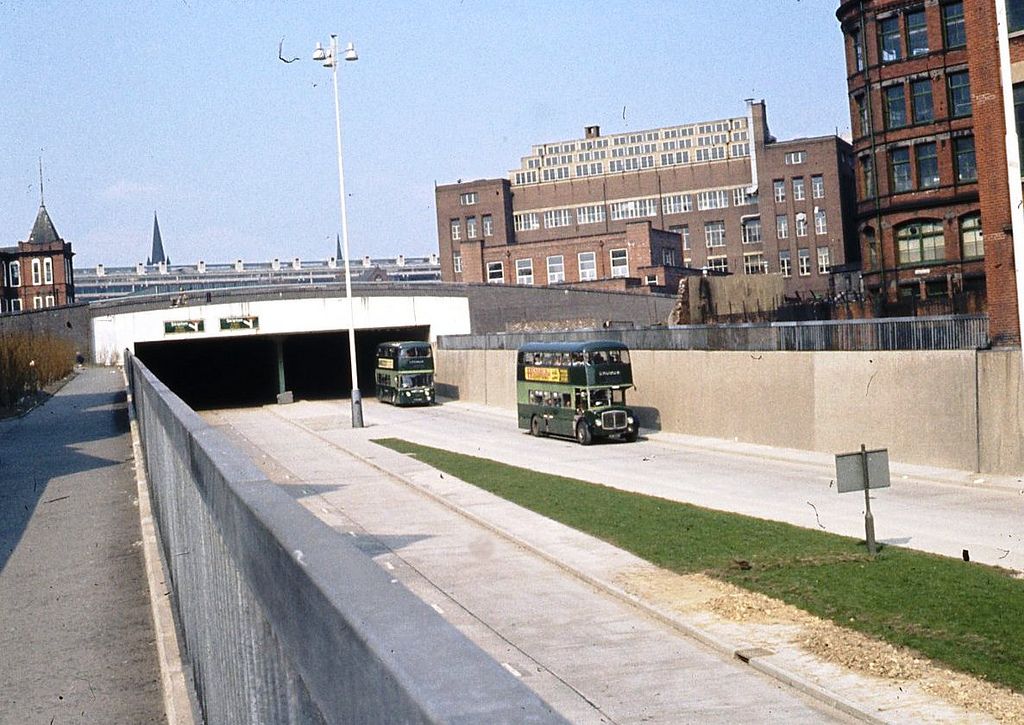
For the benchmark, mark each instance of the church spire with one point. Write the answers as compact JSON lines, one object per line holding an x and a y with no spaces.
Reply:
{"x":157,"y":256}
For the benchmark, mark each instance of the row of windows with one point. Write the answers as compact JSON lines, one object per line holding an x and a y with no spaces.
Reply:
{"x":923,"y":241}
{"x":42,"y":272}
{"x":924,"y":172}
{"x":922,"y":106}
{"x":592,"y":166}
{"x":906,"y":35}
{"x":801,"y":224}
{"x":586,"y":267}
{"x":629,"y":209}
{"x":38,"y":302}
{"x":755,"y":262}
{"x":487,"y":223}
{"x":799,"y":189}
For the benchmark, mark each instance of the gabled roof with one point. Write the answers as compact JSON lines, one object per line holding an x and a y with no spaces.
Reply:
{"x":43,"y":231}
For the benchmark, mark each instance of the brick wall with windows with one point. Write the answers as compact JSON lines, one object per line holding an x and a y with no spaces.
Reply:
{"x":670,"y":194}
{"x":913,"y":87}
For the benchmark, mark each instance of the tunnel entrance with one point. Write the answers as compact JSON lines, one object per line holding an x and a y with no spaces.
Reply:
{"x":243,"y":371}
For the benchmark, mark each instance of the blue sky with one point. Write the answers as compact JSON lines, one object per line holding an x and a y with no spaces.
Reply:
{"x":182,"y":107}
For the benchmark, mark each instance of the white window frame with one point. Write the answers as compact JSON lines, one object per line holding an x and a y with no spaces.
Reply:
{"x":470,"y":227}
{"x":49,"y":301}
{"x":469,"y":198}
{"x":794,"y":158}
{"x":677,"y":203}
{"x":804,"y":262}
{"x":524,"y":271}
{"x":457,"y":263}
{"x":714,"y":234}
{"x":37,"y":302}
{"x":526,"y":221}
{"x":618,"y":260}
{"x":590,"y":214}
{"x":818,"y":186}
{"x":37,"y":272}
{"x":554,"y":218}
{"x":782,"y":226}
{"x":786,"y":263}
{"x":820,"y":222}
{"x":456,"y":227}
{"x":824,"y":260}
{"x":587,"y":262}
{"x":14,"y":268}
{"x":713,"y":199}
{"x":719,"y":263}
{"x":496,"y":267}
{"x":799,"y":190}
{"x":779,"y":185}
{"x":556,"y":269}
{"x":751,"y":229}
{"x":750,"y":259}
{"x":488,"y":224}
{"x":801,"y":224}
{"x":47,"y":271}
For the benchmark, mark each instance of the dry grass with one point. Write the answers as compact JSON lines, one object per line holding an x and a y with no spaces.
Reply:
{"x":30,"y":362}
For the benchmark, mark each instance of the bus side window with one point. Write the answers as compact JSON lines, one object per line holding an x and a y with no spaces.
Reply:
{"x":577,"y":358}
{"x":566,"y":400}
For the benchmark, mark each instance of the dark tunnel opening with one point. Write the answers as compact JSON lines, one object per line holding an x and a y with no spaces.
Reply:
{"x":242,"y":371}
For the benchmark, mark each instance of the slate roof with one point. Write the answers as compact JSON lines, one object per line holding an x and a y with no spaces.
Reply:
{"x":157,"y":256}
{"x":43,"y":231}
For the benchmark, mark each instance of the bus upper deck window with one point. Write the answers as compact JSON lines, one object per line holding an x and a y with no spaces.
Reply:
{"x":576,"y":358}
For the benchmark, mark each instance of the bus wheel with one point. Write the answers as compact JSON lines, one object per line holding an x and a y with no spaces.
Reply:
{"x":583,"y":433}
{"x":535,"y":425}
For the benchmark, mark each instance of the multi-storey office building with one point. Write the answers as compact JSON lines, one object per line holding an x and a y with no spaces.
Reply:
{"x":37,"y":273}
{"x":642,"y":209}
{"x":912,"y":86}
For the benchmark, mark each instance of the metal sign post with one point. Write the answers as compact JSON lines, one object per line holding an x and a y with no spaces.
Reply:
{"x":864,"y":470}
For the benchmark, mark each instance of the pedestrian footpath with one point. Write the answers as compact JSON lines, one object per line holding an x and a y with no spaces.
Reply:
{"x":76,"y":633}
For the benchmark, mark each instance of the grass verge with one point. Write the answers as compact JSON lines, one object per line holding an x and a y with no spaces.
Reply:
{"x":965,"y":615}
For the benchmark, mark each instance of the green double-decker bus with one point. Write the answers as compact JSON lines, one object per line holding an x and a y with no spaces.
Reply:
{"x":405,"y":373}
{"x":575,"y":389}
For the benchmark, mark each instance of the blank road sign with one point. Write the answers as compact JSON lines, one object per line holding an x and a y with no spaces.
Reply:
{"x":850,"y":471}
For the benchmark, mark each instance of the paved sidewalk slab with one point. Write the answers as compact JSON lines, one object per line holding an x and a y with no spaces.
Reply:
{"x":76,"y":634}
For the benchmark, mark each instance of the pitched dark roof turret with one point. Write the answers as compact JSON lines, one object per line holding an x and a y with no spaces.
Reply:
{"x":157,"y":256}
{"x":43,"y":231}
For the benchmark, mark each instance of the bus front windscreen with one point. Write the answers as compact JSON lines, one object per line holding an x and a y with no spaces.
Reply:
{"x":414,"y":381}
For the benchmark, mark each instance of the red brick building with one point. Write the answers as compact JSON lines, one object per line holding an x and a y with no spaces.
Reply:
{"x":37,"y":273}
{"x":640,"y":210}
{"x":933,"y":198}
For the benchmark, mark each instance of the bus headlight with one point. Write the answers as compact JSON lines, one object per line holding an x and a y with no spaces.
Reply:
{"x":597,"y":422}
{"x":630,"y":420}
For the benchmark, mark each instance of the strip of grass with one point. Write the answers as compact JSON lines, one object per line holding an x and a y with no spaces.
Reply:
{"x":968,"y":616}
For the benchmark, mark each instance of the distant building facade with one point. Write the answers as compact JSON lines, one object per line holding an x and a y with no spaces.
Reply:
{"x":102,"y":282}
{"x":640,"y":210}
{"x":37,"y":272}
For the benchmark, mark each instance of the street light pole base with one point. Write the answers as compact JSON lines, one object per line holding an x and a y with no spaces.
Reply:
{"x":357,"y":408}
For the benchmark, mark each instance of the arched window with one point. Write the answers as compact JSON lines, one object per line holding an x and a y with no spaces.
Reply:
{"x":972,"y":245}
{"x":920,"y":241}
{"x":15,"y":273}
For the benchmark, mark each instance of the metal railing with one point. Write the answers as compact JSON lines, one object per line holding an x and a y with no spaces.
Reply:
{"x":953,"y":332}
{"x":283,"y":619}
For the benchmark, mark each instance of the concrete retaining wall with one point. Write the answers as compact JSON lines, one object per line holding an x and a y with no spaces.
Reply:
{"x":284,"y":620}
{"x":957,"y":409}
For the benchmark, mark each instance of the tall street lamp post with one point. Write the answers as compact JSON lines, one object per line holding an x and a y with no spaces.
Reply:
{"x":329,"y":59}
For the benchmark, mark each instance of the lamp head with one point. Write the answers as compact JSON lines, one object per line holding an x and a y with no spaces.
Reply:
{"x":319,"y":53}
{"x":350,"y":52}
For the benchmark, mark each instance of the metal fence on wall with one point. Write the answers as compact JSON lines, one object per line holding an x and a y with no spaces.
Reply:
{"x":954,"y":332}
{"x":283,"y":619}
